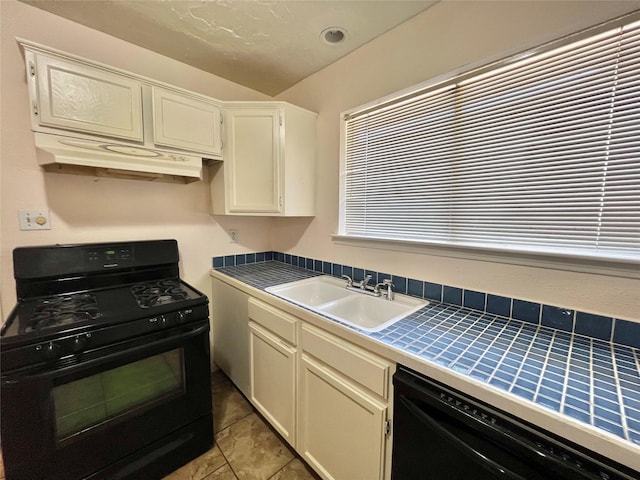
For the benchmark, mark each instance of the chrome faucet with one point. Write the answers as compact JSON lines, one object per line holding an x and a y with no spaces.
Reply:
{"x":386,"y":284}
{"x":365,"y":282}
{"x":364,"y":287}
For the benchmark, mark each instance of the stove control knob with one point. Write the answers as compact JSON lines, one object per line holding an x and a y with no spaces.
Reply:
{"x":49,"y":351}
{"x":158,"y":322}
{"x":181,"y":317}
{"x":78,"y":343}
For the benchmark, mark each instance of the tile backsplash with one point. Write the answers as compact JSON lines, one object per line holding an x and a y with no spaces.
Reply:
{"x":619,"y":331}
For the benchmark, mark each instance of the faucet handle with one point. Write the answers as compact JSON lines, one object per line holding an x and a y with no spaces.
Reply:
{"x":349,"y":281}
{"x":388,"y":284}
{"x":365,"y":281}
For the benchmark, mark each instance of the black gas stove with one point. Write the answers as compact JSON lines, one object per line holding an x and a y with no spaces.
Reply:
{"x":115,"y":325}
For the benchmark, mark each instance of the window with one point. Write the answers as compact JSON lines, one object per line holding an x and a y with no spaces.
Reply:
{"x":539,"y":154}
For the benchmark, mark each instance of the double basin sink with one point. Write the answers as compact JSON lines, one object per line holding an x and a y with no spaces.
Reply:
{"x":328,"y":296}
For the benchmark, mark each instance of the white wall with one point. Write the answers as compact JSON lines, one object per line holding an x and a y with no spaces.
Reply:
{"x":446,"y":37}
{"x":88,"y":209}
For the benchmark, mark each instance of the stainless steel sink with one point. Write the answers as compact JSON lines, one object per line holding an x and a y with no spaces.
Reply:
{"x":328,"y":296}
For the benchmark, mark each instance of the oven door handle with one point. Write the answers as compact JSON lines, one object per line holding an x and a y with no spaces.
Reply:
{"x":24,"y":377}
{"x":498,"y":470}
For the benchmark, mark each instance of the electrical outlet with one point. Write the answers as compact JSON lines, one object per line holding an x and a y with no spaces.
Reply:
{"x":34,"y":219}
{"x":233,"y":235}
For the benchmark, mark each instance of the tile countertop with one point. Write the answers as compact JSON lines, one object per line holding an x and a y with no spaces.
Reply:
{"x":583,"y":389}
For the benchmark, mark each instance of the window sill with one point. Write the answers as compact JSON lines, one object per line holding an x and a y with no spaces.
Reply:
{"x":616,"y":267}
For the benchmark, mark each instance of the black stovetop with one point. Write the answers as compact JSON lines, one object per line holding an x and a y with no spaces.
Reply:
{"x":45,"y":316}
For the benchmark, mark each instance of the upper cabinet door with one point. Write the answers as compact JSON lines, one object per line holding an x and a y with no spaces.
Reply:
{"x":253,"y":152}
{"x":269,"y":161}
{"x":78,"y":97}
{"x":185,"y":122}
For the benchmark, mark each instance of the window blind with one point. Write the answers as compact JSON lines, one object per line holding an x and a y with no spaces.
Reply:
{"x":539,"y":154}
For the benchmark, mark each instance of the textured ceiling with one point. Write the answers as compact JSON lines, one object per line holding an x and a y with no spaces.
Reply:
{"x":265,"y":45}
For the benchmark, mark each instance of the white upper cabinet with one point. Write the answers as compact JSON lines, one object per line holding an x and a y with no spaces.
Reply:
{"x":269,"y":167}
{"x":72,"y":96}
{"x":78,"y":97}
{"x":186,"y":122}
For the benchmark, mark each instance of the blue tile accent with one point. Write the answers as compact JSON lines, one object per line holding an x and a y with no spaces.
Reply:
{"x":358,"y":274}
{"x":268,"y":256}
{"x":326,"y":268}
{"x":279,"y":256}
{"x":627,"y":333}
{"x":433,"y":291}
{"x":309,"y":263}
{"x":557,"y":317}
{"x":400,"y":284}
{"x":526,"y":311}
{"x":229,"y":260}
{"x":317,"y":265}
{"x":260,"y":257}
{"x":336,"y":270}
{"x":251,"y":258}
{"x":383,"y":276}
{"x":218,"y":262}
{"x":241,"y":259}
{"x":452,"y":295}
{"x":475,"y":300}
{"x":415,"y":288}
{"x":593,"y":325}
{"x":499,"y":305}
{"x":348,"y":271}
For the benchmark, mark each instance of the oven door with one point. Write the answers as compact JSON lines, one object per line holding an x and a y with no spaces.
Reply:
{"x":111,"y":412}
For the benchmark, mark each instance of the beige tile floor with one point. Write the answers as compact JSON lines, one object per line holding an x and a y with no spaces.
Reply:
{"x":246,"y":448}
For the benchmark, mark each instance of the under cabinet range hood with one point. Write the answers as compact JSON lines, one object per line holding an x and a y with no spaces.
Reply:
{"x":90,"y":118}
{"x":112,"y":159}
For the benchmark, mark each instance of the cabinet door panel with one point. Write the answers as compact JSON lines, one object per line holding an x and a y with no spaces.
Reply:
{"x":183,"y":122}
{"x":86,"y":99}
{"x":253,"y":144}
{"x":342,"y":429}
{"x":273,"y":380}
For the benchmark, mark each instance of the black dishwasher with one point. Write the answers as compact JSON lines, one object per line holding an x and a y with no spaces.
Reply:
{"x":440,"y":433}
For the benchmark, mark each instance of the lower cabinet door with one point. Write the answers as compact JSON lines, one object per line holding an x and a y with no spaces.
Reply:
{"x":341,"y":426}
{"x":273,"y":380}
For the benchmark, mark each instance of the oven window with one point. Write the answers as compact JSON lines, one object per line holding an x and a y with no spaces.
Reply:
{"x":93,"y":400}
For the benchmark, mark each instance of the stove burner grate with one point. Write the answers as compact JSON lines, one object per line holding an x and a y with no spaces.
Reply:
{"x":153,"y":294}
{"x":62,"y":310}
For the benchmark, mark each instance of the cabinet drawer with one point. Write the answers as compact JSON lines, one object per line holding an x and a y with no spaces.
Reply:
{"x":274,"y":320}
{"x":365,"y":368}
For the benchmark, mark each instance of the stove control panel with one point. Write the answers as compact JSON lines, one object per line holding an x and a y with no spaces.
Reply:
{"x":56,"y":349}
{"x":109,"y":257}
{"x":172,"y":319}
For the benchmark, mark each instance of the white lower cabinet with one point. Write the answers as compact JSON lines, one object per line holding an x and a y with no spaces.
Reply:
{"x":330,"y":399}
{"x":343,"y":407}
{"x":342,"y":428}
{"x":272,"y":365}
